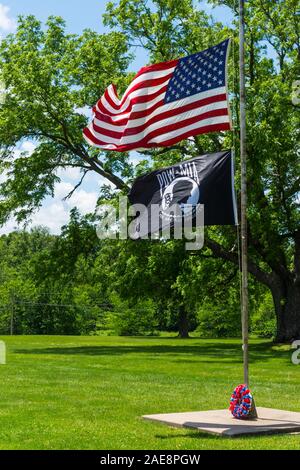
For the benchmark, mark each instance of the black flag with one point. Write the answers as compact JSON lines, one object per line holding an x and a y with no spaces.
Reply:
{"x":207,"y":180}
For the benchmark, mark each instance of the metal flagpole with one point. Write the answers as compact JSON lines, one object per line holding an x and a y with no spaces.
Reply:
{"x":245,"y":312}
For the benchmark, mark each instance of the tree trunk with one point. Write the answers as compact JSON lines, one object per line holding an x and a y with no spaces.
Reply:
{"x":283,"y":283}
{"x":183,"y":323}
{"x":286,"y":296}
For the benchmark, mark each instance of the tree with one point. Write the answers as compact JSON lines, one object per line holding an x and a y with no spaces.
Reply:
{"x":48,"y":75}
{"x":48,"y":283}
{"x":273,"y":135}
{"x":144,"y":270}
{"x":273,"y":158}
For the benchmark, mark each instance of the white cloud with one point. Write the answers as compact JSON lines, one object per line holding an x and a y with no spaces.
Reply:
{"x":7,"y":23}
{"x":55,"y":212}
{"x":3,"y":176}
{"x":26,"y":146}
{"x":10,"y":226}
{"x":85,"y":110}
{"x":72,"y":174}
{"x":136,"y":157}
{"x":83,"y":200}
{"x":53,"y":216}
{"x":62,"y":189}
{"x":95,"y":181}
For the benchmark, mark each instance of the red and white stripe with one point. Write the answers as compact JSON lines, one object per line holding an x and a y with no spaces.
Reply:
{"x":141,"y":119}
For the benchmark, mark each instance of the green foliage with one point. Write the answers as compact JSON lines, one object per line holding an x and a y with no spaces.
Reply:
{"x":50,"y":76}
{"x":134,"y":320}
{"x":139,"y":271}
{"x":165,"y":28}
{"x":46,"y":283}
{"x":272,"y":134}
{"x":263,"y":322}
{"x":216,"y":322}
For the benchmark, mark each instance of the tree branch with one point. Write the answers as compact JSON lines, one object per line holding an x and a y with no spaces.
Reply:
{"x":97,"y":165}
{"x":220,"y":252}
{"x":68,"y":196}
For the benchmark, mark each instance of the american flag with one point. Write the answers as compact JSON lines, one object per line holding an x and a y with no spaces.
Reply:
{"x":165,"y":103}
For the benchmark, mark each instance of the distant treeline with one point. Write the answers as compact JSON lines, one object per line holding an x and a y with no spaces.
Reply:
{"x":76,"y":284}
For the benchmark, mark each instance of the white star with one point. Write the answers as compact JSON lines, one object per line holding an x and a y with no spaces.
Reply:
{"x":209,"y":75}
{"x":220,"y":72}
{"x":215,"y":68}
{"x":215,"y":78}
{"x":209,"y":85}
{"x":204,"y":81}
{"x":198,"y":88}
{"x":188,"y":92}
{"x":221,"y":52}
{"x":177,"y":95}
{"x":193,"y":85}
{"x":220,"y":82}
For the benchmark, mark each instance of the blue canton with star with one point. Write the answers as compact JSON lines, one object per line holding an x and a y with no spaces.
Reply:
{"x":199,"y":72}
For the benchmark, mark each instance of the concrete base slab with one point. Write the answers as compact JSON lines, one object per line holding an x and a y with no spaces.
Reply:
{"x":222,"y":423}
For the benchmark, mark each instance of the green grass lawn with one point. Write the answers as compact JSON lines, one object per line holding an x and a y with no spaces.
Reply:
{"x":90,"y":392}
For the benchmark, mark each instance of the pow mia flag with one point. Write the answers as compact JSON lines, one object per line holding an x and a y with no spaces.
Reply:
{"x":207,"y":180}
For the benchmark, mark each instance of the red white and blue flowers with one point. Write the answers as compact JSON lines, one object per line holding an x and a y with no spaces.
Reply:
{"x":241,"y":402}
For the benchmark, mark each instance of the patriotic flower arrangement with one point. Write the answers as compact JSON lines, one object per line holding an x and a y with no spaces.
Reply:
{"x":241,"y":402}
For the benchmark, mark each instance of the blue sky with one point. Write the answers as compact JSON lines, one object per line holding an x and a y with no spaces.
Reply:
{"x":79,"y":15}
{"x":88,"y":14}
{"x":82,"y":14}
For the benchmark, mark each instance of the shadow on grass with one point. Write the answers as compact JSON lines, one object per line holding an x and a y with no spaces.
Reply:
{"x":232,"y":430}
{"x":227,"y":351}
